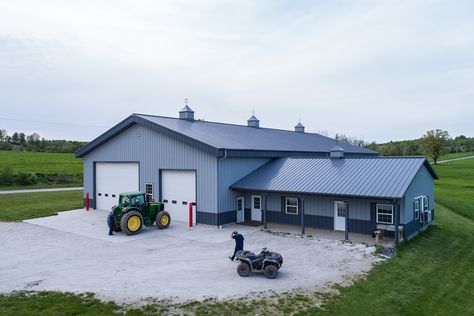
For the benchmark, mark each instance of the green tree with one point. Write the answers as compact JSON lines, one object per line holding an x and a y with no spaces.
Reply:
{"x":3,"y":135}
{"x":434,"y":143}
{"x":15,"y":139}
{"x":22,"y":139}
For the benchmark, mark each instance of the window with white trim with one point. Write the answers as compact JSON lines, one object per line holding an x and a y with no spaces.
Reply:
{"x":384,"y":213}
{"x":291,"y":205}
{"x":416,"y":208}
{"x":426,"y":203}
{"x":149,"y":189}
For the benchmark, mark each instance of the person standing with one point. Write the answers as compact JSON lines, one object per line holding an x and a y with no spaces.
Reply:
{"x":239,"y":243}
{"x":111,"y":222}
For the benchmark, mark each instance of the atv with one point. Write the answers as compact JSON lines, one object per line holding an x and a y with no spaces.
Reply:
{"x":267,"y":262}
{"x":134,"y":210}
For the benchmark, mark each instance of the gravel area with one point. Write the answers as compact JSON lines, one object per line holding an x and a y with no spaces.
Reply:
{"x":72,"y":252}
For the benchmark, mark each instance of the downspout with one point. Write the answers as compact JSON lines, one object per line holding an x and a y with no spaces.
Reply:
{"x":218,"y":186}
{"x":397,"y":221}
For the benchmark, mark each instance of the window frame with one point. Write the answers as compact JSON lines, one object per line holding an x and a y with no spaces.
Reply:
{"x":416,"y":210}
{"x":377,"y":213}
{"x":152,"y":189}
{"x":426,"y":206}
{"x":288,"y":198}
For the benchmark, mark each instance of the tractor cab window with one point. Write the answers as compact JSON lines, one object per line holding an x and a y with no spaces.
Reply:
{"x":124,"y":200}
{"x":138,"y":200}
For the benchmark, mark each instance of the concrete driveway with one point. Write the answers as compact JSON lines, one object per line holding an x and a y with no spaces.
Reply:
{"x":72,"y":252}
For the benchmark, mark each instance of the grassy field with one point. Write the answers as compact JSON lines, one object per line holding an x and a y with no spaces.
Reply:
{"x":454,"y":155}
{"x":431,"y":275}
{"x":35,"y":162}
{"x":20,"y":206}
{"x":455,"y":188}
{"x":51,"y":170}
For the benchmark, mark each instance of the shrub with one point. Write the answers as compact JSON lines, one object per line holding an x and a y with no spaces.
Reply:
{"x":23,"y":178}
{"x":63,"y":177}
{"x":6,"y":177}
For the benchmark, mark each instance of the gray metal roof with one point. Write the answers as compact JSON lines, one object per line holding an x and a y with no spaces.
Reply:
{"x":242,"y":137}
{"x":380,"y":177}
{"x":216,"y":137}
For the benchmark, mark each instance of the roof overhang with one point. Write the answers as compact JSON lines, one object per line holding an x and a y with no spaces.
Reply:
{"x":235,"y":188}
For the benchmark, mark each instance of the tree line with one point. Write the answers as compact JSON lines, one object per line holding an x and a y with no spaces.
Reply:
{"x":34,"y":142}
{"x":433,"y":143}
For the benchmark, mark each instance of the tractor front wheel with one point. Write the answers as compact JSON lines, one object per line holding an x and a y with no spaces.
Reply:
{"x":132,"y":222}
{"x":163,"y":220}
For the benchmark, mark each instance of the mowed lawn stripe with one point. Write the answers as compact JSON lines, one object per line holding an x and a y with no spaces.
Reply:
{"x":455,"y":188}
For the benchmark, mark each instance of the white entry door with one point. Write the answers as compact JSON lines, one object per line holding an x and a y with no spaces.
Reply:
{"x":178,"y":188}
{"x":240,"y":210}
{"x":256,"y":208}
{"x":112,"y":179}
{"x":340,"y":209}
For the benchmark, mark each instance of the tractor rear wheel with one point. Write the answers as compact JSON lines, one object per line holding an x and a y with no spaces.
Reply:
{"x":163,"y":220}
{"x":131,"y":222}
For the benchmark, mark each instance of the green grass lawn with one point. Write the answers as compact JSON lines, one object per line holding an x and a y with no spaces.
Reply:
{"x":20,"y":206}
{"x":35,"y":162}
{"x":455,"y":188}
{"x":454,"y":155}
{"x":432,"y":274}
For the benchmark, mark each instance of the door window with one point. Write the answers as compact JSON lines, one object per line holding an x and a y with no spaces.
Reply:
{"x":256,"y":202}
{"x":239,"y":204}
{"x":341,"y":209}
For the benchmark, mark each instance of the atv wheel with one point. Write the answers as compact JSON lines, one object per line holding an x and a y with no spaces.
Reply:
{"x":270,"y":271}
{"x":163,"y":220}
{"x":131,"y":222}
{"x":243,"y":269}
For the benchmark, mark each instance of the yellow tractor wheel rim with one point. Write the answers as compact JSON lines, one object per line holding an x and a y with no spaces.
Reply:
{"x":164,"y":220}
{"x":134,"y":223}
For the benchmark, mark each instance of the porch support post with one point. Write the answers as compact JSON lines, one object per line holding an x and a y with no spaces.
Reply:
{"x":397,"y":220}
{"x":265,"y":212}
{"x":302,"y":216}
{"x":346,"y":230}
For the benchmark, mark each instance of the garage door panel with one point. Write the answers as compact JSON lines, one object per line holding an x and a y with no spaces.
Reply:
{"x":113,"y":179}
{"x":178,"y":189}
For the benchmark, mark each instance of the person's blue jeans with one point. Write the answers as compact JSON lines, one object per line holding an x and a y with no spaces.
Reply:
{"x":235,"y":251}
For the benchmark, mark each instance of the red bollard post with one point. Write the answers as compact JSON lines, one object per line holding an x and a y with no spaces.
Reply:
{"x":190,"y":214}
{"x":87,"y":201}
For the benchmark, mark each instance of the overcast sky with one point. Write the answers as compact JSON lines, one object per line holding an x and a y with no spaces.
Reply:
{"x":377,"y":70}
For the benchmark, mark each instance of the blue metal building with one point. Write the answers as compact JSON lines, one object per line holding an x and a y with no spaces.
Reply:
{"x":236,"y":173}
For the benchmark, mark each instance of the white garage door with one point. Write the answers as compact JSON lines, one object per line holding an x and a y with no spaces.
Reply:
{"x":113,"y":179}
{"x":178,"y":189}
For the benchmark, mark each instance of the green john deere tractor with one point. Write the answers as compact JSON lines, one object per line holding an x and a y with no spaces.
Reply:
{"x":134,"y":210}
